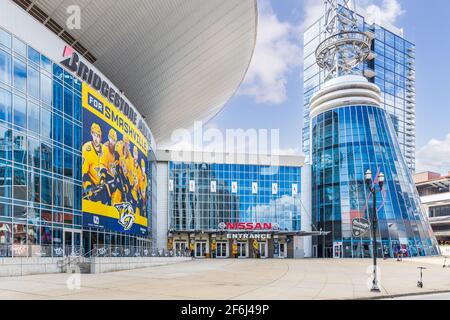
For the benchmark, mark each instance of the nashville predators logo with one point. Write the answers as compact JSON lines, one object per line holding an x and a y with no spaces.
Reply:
{"x":126,"y":215}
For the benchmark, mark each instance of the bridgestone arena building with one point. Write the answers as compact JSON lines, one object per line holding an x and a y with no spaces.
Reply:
{"x":85,"y":112}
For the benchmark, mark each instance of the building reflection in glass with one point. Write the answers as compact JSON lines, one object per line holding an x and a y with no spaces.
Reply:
{"x":203,"y":195}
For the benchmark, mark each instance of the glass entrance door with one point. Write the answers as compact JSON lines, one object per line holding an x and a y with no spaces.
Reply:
{"x":180,"y":248}
{"x":200,"y":249}
{"x":242,"y":249}
{"x":72,"y":243}
{"x":262,"y":247}
{"x":337,"y":251}
{"x":222,"y":250}
{"x":282,"y":250}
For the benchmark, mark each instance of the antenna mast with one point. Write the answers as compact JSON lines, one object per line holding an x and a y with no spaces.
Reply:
{"x":344,"y":47}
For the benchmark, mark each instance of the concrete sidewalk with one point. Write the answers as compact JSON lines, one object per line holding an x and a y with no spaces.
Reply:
{"x":239,"y":279}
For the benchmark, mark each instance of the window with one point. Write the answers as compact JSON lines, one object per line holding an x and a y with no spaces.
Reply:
{"x":46,"y":89}
{"x":5,"y":67}
{"x":46,"y":190}
{"x":77,"y":167}
{"x":20,"y":183}
{"x":46,"y":157}
{"x":57,"y":193}
{"x":34,"y":153}
{"x":20,"y":47}
{"x":57,"y":96}
{"x":46,"y":64}
{"x":34,"y":56}
{"x":19,"y":231}
{"x":68,"y":165}
{"x":5,"y":39}
{"x":5,"y":105}
{"x":77,"y":108}
{"x":33,"y":187}
{"x":57,"y":128}
{"x":20,"y":147}
{"x":5,"y":143}
{"x":46,"y":123}
{"x":78,"y":196}
{"x":33,"y":117}
{"x":68,"y":133}
{"x":68,"y":101}
{"x":68,"y":79}
{"x":68,"y":194}
{"x":77,"y":137}
{"x":5,"y":181}
{"x":20,"y":75}
{"x":57,"y":160}
{"x":20,"y":112}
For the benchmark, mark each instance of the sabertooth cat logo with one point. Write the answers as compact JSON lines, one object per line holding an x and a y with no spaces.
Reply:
{"x":126,"y":215}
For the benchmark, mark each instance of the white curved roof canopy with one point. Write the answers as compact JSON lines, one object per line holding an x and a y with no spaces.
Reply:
{"x":176,"y":60}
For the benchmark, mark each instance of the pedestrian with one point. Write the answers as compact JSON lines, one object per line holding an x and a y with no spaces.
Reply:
{"x":386,"y":252}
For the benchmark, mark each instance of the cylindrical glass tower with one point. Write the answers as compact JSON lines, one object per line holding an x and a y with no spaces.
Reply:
{"x":351,"y":134}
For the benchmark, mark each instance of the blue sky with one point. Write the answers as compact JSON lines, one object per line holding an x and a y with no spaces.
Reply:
{"x":271,"y":96}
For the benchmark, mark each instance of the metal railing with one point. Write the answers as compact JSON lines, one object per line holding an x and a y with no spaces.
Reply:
{"x":43,"y":251}
{"x":58,"y":251}
{"x":131,"y":251}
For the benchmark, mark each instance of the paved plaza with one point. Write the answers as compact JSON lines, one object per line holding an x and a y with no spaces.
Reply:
{"x":238,"y":279}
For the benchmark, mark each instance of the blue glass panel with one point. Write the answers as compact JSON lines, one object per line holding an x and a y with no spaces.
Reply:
{"x":5,"y":67}
{"x":46,"y":89}
{"x":77,"y":138}
{"x":20,"y":75}
{"x":46,"y":64}
{"x":20,"y":111}
{"x":57,"y":128}
{"x":5,"y":39}
{"x":68,"y":133}
{"x":57,"y":160}
{"x":58,"y":96}
{"x":46,"y":123}
{"x":77,"y":108}
{"x":20,"y":47}
{"x":68,"y":101}
{"x":46,"y":190}
{"x":68,"y":164}
{"x":5,"y":143}
{"x":20,"y":147}
{"x":58,"y":72}
{"x":68,"y":79}
{"x":46,"y":157}
{"x":34,"y":56}
{"x":33,"y":117}
{"x":5,"y":182}
{"x":5,"y":105}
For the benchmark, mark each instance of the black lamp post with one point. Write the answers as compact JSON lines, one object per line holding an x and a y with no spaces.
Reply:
{"x":373,"y":191}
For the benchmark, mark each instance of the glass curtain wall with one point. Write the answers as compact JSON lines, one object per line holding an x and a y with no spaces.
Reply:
{"x":203,"y":195}
{"x":346,"y":142}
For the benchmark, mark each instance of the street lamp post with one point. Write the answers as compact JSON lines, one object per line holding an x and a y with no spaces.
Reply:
{"x":373,"y":191}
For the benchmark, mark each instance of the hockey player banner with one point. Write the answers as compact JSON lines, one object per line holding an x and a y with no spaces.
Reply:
{"x":114,"y":171}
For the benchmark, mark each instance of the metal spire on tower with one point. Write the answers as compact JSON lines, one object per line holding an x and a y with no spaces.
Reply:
{"x":345,"y":47}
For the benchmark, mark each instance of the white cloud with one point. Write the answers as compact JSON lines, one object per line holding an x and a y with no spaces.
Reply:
{"x":387,"y":12}
{"x":435,"y":156}
{"x":277,"y":54}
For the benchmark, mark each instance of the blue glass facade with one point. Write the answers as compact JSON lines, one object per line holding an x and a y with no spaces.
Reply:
{"x":203,"y":195}
{"x":346,"y":142}
{"x":391,"y":66}
{"x":40,"y":156}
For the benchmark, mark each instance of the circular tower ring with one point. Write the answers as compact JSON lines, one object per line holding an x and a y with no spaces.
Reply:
{"x":339,"y":43}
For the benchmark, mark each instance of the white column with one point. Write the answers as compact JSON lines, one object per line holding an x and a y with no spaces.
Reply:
{"x":160,"y":221}
{"x":306,"y":210}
